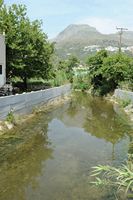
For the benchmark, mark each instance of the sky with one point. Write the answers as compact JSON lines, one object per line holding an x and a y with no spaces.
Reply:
{"x":56,"y":15}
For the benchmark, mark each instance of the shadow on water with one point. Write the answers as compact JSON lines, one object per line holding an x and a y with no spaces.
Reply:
{"x":50,"y":157}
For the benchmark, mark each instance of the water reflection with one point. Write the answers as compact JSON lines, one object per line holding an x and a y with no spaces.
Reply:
{"x":50,"y":157}
{"x":22,"y":163}
{"x":99,"y":118}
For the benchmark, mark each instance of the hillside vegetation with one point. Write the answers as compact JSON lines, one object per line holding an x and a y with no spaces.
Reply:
{"x":79,"y":40}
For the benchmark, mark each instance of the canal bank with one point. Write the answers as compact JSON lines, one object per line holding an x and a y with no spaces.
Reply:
{"x":15,"y":109}
{"x":23,"y":103}
{"x":125,"y":99}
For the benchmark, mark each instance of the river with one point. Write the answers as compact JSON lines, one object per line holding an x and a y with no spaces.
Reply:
{"x":51,"y":156}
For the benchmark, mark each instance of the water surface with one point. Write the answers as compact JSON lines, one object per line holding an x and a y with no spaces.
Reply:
{"x":50,"y":157}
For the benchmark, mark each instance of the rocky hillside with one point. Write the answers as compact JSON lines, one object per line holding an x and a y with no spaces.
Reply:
{"x":81,"y":40}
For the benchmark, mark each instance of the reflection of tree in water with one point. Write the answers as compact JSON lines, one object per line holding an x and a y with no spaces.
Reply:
{"x":72,"y":110}
{"x":105,"y":123}
{"x":21,"y":168}
{"x":101,"y":119}
{"x":79,"y":100}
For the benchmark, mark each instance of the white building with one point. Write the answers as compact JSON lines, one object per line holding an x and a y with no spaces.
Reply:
{"x":2,"y":60}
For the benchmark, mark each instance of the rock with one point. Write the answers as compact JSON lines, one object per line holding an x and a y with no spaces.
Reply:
{"x":9,"y":125}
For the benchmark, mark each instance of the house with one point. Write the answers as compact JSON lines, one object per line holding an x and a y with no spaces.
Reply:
{"x":2,"y":60}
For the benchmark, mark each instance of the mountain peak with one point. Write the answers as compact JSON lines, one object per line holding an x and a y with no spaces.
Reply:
{"x":76,"y":31}
{"x":81,"y":27}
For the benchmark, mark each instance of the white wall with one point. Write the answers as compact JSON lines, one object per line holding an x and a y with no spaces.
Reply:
{"x":2,"y":60}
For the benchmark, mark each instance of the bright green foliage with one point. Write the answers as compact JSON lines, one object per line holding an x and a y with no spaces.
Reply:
{"x":107,"y":72}
{"x":95,"y":62}
{"x":28,"y":51}
{"x":116,"y":67}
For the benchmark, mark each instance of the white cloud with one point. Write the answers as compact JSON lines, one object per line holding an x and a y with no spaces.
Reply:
{"x":103,"y":25}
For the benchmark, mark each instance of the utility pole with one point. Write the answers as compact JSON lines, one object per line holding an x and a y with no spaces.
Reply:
{"x":121,"y":30}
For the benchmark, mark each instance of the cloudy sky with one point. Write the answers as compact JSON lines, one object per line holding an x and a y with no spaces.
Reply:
{"x":105,"y":15}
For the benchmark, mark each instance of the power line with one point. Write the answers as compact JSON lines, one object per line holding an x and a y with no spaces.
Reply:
{"x":121,"y":30}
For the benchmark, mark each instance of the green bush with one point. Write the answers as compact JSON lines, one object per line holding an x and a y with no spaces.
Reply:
{"x":81,"y":82}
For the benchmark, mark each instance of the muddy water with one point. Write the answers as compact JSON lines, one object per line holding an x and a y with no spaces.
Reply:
{"x":50,"y":157}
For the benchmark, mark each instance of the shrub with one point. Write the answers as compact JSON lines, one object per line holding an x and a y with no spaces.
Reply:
{"x":81,"y":82}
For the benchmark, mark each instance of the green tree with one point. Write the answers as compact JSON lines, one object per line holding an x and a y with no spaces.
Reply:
{"x":71,"y":63}
{"x":106,"y":72}
{"x":95,"y":64}
{"x":28,"y":52}
{"x":116,"y":68}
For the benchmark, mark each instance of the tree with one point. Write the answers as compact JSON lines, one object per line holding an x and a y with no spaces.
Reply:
{"x":28,"y":51}
{"x":116,"y":68}
{"x":106,"y":72}
{"x":71,"y":63}
{"x":95,"y":63}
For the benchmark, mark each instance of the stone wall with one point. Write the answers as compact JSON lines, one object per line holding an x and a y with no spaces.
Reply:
{"x":24,"y":103}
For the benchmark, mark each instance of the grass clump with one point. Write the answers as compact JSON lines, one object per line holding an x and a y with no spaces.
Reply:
{"x":121,"y":178}
{"x":10,"y":117}
{"x":125,"y":103}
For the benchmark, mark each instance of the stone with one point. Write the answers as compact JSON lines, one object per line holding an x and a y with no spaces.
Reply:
{"x":9,"y":125}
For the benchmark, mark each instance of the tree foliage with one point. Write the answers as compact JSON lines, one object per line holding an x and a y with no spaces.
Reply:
{"x":28,"y":52}
{"x":67,"y":66}
{"x":107,"y":71}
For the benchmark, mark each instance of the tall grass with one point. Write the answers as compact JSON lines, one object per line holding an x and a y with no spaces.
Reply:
{"x":121,"y":178}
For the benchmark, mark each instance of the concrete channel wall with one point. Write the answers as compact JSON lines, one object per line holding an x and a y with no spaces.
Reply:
{"x":123,"y":95}
{"x":24,"y":103}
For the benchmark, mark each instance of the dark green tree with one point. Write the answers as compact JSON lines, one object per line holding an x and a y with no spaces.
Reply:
{"x":95,"y":64}
{"x":28,"y":52}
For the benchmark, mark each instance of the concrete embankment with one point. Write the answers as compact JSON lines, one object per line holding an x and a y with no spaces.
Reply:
{"x":123,"y":95}
{"x":24,"y":103}
{"x":126,"y":98}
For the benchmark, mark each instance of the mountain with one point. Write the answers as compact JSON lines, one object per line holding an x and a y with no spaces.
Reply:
{"x":81,"y":40}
